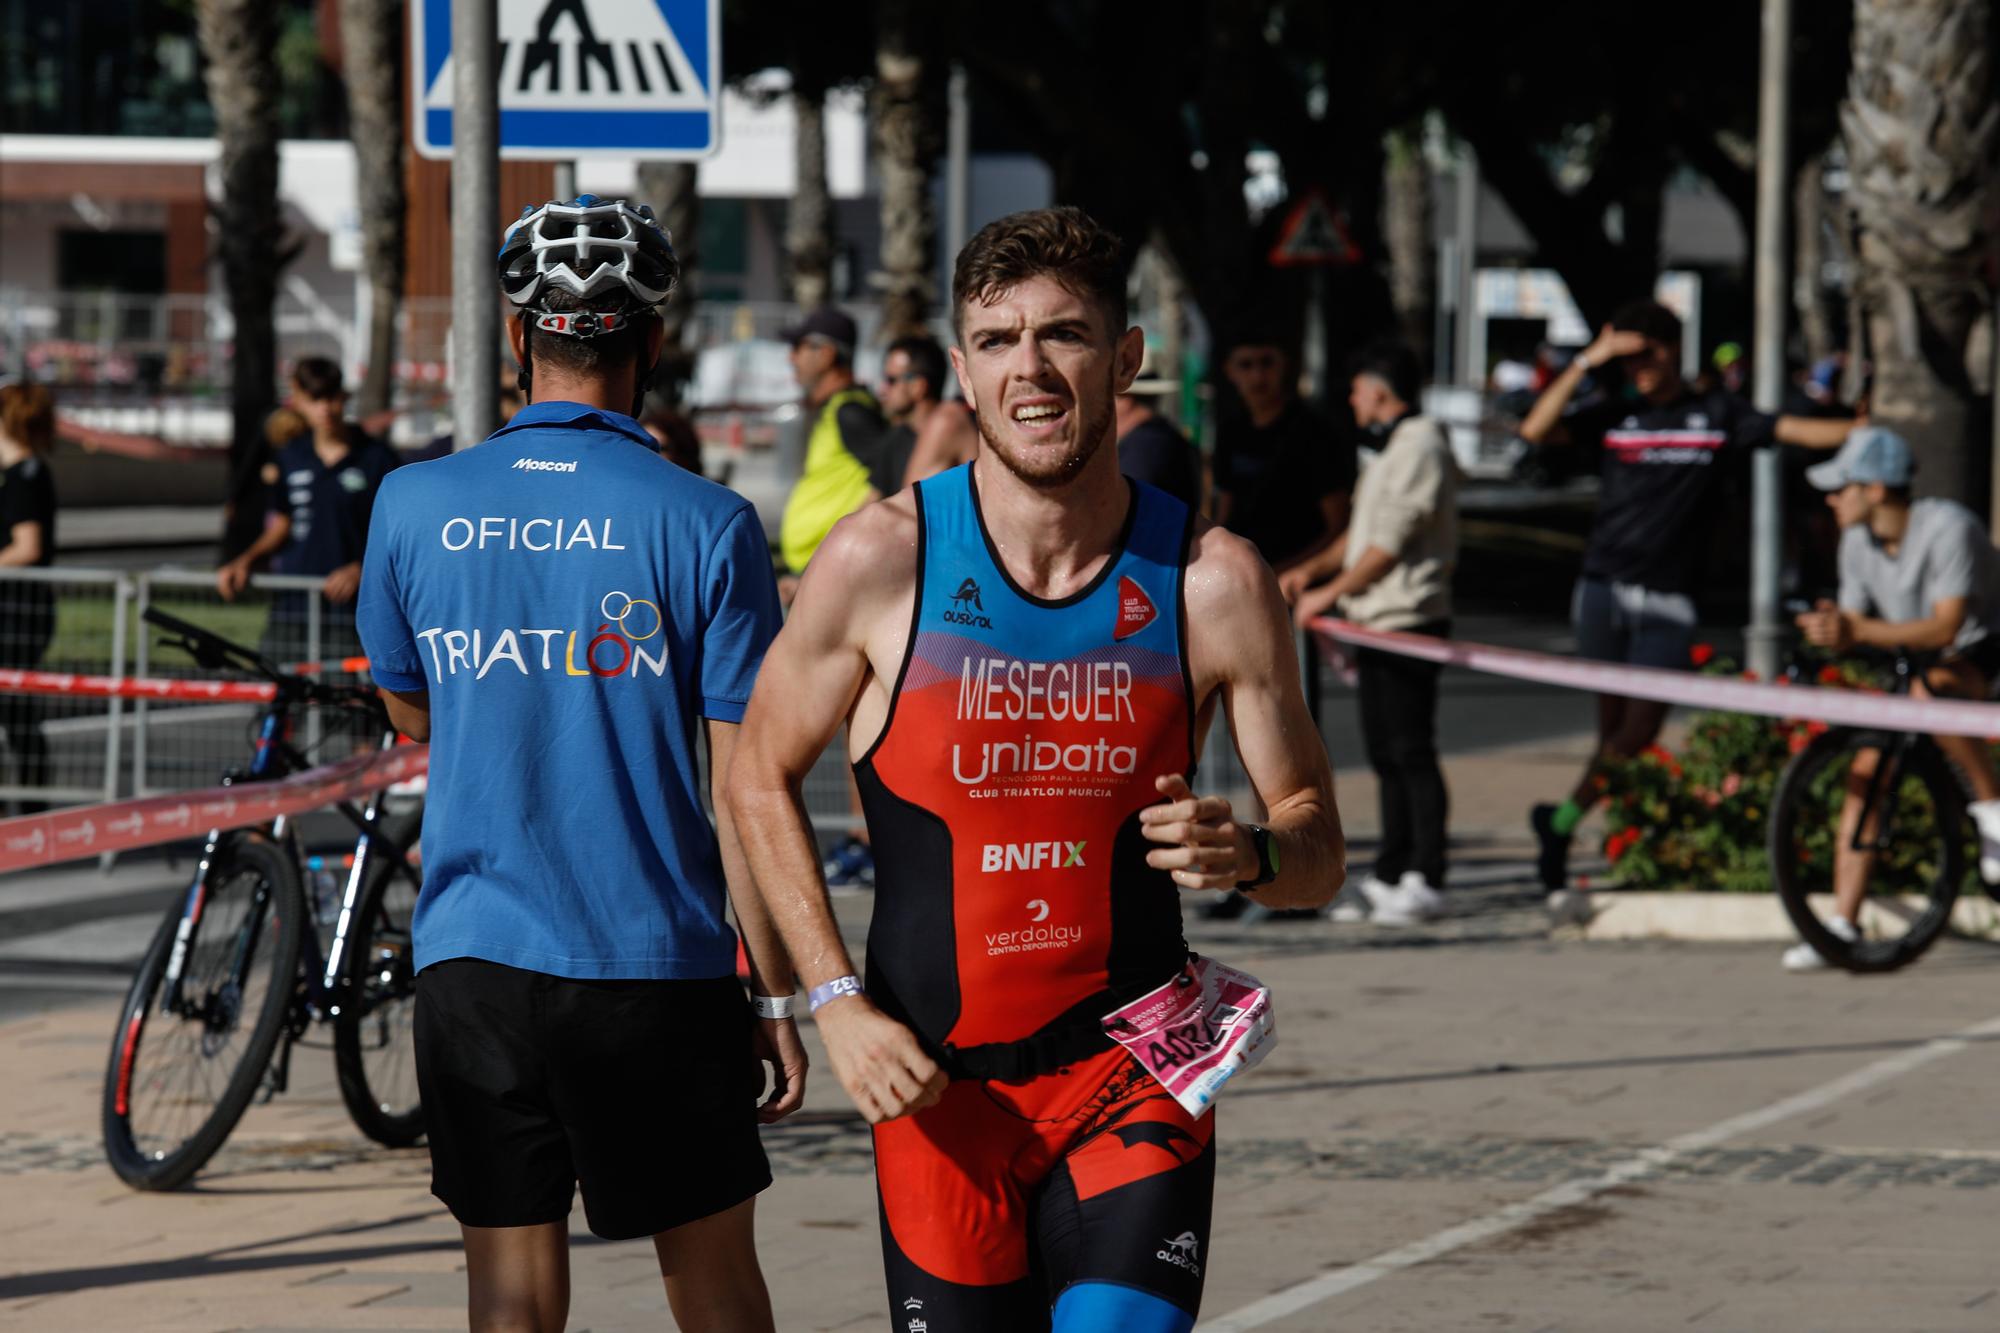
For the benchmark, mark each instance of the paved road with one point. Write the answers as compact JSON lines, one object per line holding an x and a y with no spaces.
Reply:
{"x":1470,"y":1126}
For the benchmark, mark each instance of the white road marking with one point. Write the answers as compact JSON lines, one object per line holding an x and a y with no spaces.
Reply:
{"x":1326,"y":1286}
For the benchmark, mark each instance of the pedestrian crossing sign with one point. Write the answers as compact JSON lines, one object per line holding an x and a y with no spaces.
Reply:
{"x":635,"y":78}
{"x":1314,"y":232}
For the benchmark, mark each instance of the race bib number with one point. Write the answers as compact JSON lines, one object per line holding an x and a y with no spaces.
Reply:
{"x":1198,"y":1031}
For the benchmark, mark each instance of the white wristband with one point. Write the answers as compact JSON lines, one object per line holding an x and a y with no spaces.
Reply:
{"x":772,"y":1006}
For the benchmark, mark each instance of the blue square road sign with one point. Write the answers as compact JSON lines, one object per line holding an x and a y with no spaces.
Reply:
{"x":635,"y":78}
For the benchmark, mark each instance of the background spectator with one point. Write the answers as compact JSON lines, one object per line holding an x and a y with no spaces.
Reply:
{"x":1150,"y":447}
{"x":28,"y":531}
{"x":1282,"y":479}
{"x":914,"y":376}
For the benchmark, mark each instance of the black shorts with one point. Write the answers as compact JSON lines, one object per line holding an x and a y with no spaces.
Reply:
{"x":644,"y":1093}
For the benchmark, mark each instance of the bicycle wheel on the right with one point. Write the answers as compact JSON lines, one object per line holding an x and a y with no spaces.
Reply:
{"x":186,"y":1059}
{"x":374,"y":1042}
{"x":1919,"y":822}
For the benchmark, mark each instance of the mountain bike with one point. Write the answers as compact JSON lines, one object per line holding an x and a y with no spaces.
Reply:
{"x":236,"y":972}
{"x":1912,"y":820}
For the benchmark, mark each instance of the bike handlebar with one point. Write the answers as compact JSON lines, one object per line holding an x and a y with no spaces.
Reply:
{"x":211,"y":650}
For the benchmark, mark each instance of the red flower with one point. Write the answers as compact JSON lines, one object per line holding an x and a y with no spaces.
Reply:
{"x":1702,"y":654}
{"x":1798,"y":742}
{"x":1829,"y":674}
{"x":1658,"y":754}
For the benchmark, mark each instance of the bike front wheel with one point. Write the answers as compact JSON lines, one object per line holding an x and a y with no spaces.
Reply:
{"x":1918,"y":823}
{"x":187,"y":1057}
{"x":374,"y":1046}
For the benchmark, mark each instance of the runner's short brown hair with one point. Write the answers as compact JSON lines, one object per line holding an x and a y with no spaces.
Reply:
{"x":1062,"y":243}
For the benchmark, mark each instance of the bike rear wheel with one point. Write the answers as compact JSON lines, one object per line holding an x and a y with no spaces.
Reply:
{"x":185,"y":1065}
{"x":374,"y":1046}
{"x":1912,"y":884}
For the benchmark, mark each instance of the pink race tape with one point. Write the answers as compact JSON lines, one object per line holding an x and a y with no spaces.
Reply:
{"x":149,"y":687}
{"x":1853,"y":708}
{"x":120,"y":826}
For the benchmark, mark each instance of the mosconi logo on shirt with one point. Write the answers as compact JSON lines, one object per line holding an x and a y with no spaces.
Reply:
{"x":543,"y":465}
{"x":619,"y":648}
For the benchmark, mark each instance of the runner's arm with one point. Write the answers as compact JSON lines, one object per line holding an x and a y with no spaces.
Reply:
{"x":770,"y":965}
{"x":1240,"y":643}
{"x":809,"y":681}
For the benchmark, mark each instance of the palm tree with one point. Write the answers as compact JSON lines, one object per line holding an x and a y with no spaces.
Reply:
{"x":239,"y":42}
{"x":371,"y":38}
{"x":1922,"y":127}
{"x":809,"y":225}
{"x":672,"y":188}
{"x":908,"y":107}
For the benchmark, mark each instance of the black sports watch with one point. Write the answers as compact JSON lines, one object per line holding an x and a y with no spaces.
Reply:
{"x":1267,"y":857}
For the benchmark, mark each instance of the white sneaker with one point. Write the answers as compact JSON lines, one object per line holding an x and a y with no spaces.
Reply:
{"x":1368,"y":897}
{"x":1986,"y":818}
{"x":1802,"y":957}
{"x":1413,"y":900}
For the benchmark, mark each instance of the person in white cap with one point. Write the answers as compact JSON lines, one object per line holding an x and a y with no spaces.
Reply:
{"x":1919,"y":575}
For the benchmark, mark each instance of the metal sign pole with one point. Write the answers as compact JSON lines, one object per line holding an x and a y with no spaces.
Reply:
{"x":1764,"y":637}
{"x":475,"y":221}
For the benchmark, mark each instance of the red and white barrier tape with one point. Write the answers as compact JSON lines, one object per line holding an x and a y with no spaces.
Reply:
{"x":119,"y":826}
{"x":1854,"y":708}
{"x":67,"y":683}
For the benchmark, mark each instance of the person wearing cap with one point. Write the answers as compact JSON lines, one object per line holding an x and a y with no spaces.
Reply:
{"x":1150,"y":447}
{"x":1921,"y":576}
{"x":1666,"y":448}
{"x":561,"y":613}
{"x":844,"y":440}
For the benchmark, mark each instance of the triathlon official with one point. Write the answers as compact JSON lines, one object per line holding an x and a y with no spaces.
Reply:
{"x":560,"y":610}
{"x":1028,"y":650}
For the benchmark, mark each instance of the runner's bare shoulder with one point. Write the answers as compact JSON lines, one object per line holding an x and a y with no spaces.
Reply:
{"x":869,"y":560}
{"x":1236,"y":617}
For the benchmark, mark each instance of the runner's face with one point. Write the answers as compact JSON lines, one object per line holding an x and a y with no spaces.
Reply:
{"x":1042,"y":369}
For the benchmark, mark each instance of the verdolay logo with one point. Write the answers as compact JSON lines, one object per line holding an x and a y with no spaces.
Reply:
{"x":543,"y":465}
{"x":1135,"y":609}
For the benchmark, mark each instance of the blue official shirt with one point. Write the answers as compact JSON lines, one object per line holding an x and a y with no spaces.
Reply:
{"x":573,"y":603}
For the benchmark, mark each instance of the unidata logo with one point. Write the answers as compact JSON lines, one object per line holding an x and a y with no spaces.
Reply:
{"x":964,"y":604}
{"x":543,"y":465}
{"x":1004,"y":856}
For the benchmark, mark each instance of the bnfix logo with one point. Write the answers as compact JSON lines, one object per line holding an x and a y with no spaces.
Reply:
{"x":1135,"y":609}
{"x":543,"y":465}
{"x":967,"y":596}
{"x":996,"y":856}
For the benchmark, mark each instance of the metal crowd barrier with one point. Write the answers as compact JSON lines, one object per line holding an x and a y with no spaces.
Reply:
{"x":87,"y":621}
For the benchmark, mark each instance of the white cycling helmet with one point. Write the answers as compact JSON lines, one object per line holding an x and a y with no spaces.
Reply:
{"x":612,"y":255}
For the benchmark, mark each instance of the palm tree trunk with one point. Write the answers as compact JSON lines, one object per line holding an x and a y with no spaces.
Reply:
{"x":371,"y":34}
{"x":809,"y":228}
{"x":672,"y":188}
{"x":1922,"y":127}
{"x":1406,"y":227}
{"x":239,"y":41}
{"x":908,"y":108}
{"x":1809,"y":296}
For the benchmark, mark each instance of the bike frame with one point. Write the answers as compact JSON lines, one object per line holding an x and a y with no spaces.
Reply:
{"x":326,"y":984}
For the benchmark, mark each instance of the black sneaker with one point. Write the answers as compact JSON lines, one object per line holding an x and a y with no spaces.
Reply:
{"x":1552,"y":860}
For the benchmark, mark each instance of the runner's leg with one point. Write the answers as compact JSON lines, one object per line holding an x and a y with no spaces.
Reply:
{"x":517,"y":1278}
{"x":710,"y":1268}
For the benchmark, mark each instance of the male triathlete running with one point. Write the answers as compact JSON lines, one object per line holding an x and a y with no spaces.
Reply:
{"x":1028,"y":650}
{"x":558,"y":610}
{"x":1920,"y":575}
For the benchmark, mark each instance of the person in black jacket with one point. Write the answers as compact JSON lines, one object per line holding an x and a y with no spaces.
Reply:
{"x":27,"y":540}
